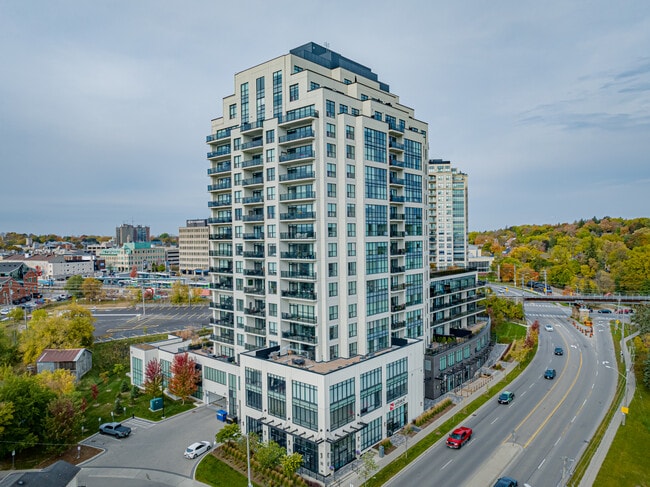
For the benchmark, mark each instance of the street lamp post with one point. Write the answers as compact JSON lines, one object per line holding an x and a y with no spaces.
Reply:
{"x":248,"y":459}
{"x":625,"y":396}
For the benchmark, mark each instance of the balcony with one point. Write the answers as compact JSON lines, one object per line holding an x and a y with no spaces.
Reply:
{"x":397,"y":199}
{"x":219,"y":203}
{"x":294,"y":117}
{"x":249,"y":127}
{"x":397,"y":251}
{"x":398,"y":287}
{"x":299,"y":338}
{"x":256,"y":330}
{"x":397,"y":216}
{"x":254,"y":272}
{"x":253,"y":236}
{"x":220,"y":286}
{"x":298,"y":215}
{"x":252,"y":346}
{"x":397,"y":234}
{"x":256,"y":161}
{"x":220,"y":219}
{"x":297,"y":175}
{"x":223,"y":339}
{"x":253,"y":254}
{"x":299,"y":318}
{"x":254,"y":144}
{"x":221,"y":168}
{"x":221,"y":236}
{"x":222,"y":151}
{"x":299,"y":295}
{"x":303,"y":195}
{"x":297,"y":256}
{"x":298,"y":235}
{"x":395,"y":128}
{"x":220,"y":253}
{"x":396,"y":325}
{"x":395,"y":146}
{"x":296,"y":156}
{"x":254,"y":311}
{"x":396,"y":163}
{"x":299,"y":135}
{"x":251,"y":200}
{"x":221,"y":134}
{"x":227,"y":323}
{"x":395,"y":181}
{"x":220,"y":186}
{"x":298,"y":275}
{"x":255,"y":290}
{"x":397,"y":269}
{"x":225,"y":306}
{"x":259,"y":180}
{"x":253,"y":218}
{"x":397,"y":307}
{"x":220,"y":270}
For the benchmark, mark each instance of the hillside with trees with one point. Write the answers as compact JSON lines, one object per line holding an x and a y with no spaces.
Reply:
{"x":608,"y":255}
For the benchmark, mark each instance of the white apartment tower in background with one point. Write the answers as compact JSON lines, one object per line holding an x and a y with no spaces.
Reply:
{"x":318,"y":244}
{"x":448,"y":222}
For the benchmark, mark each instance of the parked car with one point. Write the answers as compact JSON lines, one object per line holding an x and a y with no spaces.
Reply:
{"x":118,"y":430}
{"x":549,"y":374}
{"x":604,"y":310}
{"x":559,"y":351}
{"x":548,"y":327}
{"x":459,"y":437}
{"x":506,"y":482}
{"x":196,"y":449}
{"x":506,"y":397}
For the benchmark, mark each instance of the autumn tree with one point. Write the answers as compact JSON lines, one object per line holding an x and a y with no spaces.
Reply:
{"x":61,"y":424}
{"x":641,"y":318}
{"x":59,"y":381}
{"x":291,"y":463}
{"x":185,"y":376}
{"x":93,"y":289}
{"x":71,"y":328}
{"x":153,"y":378}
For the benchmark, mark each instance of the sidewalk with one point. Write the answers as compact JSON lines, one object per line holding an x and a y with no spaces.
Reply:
{"x":350,"y":474}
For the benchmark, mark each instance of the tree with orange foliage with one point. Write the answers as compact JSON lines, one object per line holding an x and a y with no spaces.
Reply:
{"x":185,"y":376}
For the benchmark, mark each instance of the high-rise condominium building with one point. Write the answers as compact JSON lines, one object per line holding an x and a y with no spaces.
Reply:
{"x":126,"y":233}
{"x":318,"y":249}
{"x":448,"y":221}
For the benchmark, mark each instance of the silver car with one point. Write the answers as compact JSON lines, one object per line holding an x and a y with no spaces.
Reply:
{"x":196,"y":449}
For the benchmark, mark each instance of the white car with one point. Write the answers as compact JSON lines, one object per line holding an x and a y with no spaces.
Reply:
{"x":4,"y":311}
{"x":548,"y":327}
{"x":196,"y":449}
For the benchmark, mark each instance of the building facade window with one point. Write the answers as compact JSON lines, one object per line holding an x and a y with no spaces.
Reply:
{"x":342,"y":405}
{"x":396,"y":379}
{"x":374,"y":147}
{"x":375,"y":183}
{"x":253,"y":388}
{"x":305,"y":405}
{"x":277,"y":395}
{"x":376,"y":296}
{"x":370,"y":391}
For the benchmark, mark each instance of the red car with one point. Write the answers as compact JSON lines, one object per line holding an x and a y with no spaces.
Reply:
{"x":459,"y":437}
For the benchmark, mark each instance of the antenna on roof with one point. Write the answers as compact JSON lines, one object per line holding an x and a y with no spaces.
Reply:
{"x":326,"y":44}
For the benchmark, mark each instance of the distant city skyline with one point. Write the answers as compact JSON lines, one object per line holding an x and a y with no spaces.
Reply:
{"x":546,"y":107}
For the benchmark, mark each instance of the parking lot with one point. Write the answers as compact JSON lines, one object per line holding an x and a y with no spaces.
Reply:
{"x":153,"y":454}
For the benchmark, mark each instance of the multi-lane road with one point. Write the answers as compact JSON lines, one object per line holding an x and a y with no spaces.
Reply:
{"x":537,"y":437}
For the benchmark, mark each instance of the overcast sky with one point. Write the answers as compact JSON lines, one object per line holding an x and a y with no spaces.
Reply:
{"x":104,"y":106}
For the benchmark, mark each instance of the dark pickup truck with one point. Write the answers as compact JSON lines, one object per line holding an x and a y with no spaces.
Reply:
{"x":117,"y":430}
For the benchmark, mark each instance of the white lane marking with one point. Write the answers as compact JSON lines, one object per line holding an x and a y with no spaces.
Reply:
{"x":495,"y":420}
{"x":574,"y":418}
{"x":558,"y":440}
{"x":540,"y":465}
{"x":441,"y":468}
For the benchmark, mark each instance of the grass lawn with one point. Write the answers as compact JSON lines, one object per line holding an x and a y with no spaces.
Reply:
{"x":508,"y":332}
{"x":216,"y":473}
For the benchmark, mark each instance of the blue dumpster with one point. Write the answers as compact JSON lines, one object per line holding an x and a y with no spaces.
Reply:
{"x":222,"y":415}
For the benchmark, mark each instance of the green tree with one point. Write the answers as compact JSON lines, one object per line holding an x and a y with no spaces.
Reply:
{"x":269,"y":455}
{"x":291,"y":464}
{"x":8,"y":348}
{"x":73,"y":286}
{"x":92,"y":289}
{"x":180,"y":293}
{"x":228,"y":433}
{"x":632,"y":275}
{"x":185,"y":376}
{"x":29,"y":401}
{"x":71,"y":328}
{"x":368,"y":465}
{"x":641,"y":318}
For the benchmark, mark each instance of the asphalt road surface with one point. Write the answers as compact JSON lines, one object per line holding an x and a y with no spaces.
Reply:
{"x":536,"y":438}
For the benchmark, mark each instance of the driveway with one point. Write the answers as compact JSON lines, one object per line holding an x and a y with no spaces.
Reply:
{"x":153,"y":455}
